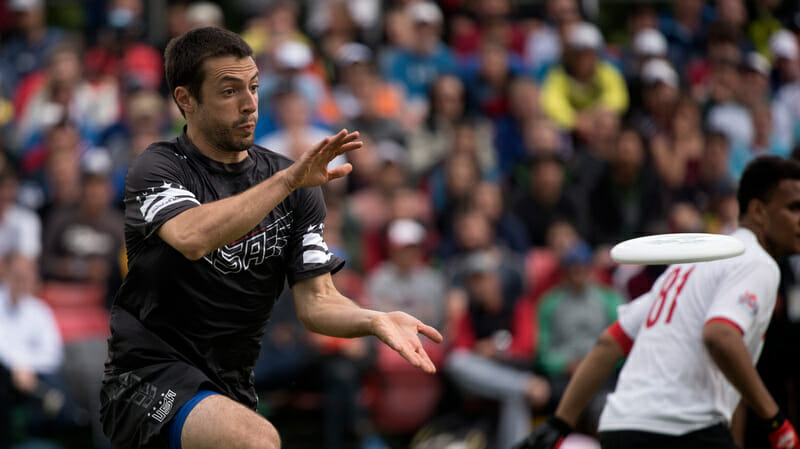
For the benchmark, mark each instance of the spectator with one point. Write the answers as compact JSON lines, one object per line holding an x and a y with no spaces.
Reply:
{"x":685,"y":29}
{"x":570,"y":316}
{"x":628,"y":198}
{"x":493,"y":346}
{"x":427,"y":58}
{"x":510,"y":231}
{"x":30,"y":348}
{"x":544,"y":41}
{"x":510,"y":128}
{"x":82,"y":243}
{"x":432,"y":142}
{"x":26,"y":51}
{"x":20,"y":228}
{"x":65,"y":95}
{"x":406,"y":281}
{"x":583,"y":82}
{"x":364,"y":100}
{"x":545,"y":199}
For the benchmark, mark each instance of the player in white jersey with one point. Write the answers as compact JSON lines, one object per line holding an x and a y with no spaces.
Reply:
{"x":693,"y":340}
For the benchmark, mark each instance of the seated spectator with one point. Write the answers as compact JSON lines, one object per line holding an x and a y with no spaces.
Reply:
{"x":487,"y":78}
{"x":545,"y":199}
{"x":26,"y":50}
{"x":765,"y":140}
{"x":493,"y":346}
{"x":571,"y":315}
{"x":627,"y":200}
{"x":510,"y":231}
{"x":433,"y":141}
{"x":31,"y":353}
{"x":583,"y":82}
{"x":296,"y":131}
{"x":406,"y":281}
{"x":66,"y":96}
{"x":82,"y":246}
{"x":414,"y":68}
{"x":20,"y":228}
{"x":523,"y":106}
{"x":367,"y":103}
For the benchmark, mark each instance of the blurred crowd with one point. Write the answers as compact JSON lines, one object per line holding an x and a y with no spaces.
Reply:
{"x":507,"y":145}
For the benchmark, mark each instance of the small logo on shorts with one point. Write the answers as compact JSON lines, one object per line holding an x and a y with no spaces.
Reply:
{"x":160,"y":412}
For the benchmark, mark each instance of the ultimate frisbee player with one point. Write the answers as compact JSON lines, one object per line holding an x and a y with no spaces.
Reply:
{"x":214,"y":226}
{"x":692,"y":341}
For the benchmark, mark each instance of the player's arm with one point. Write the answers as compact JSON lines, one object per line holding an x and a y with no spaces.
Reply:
{"x":197,"y":231}
{"x":322,"y":309}
{"x":725,"y":345}
{"x":591,"y":374}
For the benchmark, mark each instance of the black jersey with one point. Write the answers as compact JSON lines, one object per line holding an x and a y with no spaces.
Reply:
{"x":210,"y":313}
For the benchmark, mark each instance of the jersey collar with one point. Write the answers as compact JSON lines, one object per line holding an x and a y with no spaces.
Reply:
{"x":193,"y":152}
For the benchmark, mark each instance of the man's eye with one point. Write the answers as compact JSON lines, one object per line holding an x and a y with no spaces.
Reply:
{"x":228,"y":92}
{"x":254,"y":88}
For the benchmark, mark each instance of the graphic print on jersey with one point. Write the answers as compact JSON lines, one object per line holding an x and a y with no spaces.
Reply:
{"x":150,"y":204}
{"x":254,"y":248}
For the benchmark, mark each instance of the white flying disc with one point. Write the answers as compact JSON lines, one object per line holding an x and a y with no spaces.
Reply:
{"x":665,"y":249}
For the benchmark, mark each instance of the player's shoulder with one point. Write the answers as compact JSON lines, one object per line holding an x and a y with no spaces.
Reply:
{"x":164,"y":151}
{"x":755,"y":259}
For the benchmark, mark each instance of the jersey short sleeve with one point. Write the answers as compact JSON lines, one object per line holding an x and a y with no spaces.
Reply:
{"x":743,"y":292}
{"x":309,"y":255}
{"x":632,"y":315}
{"x":155,"y":190}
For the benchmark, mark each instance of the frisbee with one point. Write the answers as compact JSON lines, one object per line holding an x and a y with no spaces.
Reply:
{"x":665,"y":249}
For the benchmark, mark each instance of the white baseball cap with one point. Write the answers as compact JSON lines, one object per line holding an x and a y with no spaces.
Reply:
{"x":353,"y":53}
{"x":425,"y":12}
{"x":24,"y":5}
{"x":585,"y":36}
{"x":659,"y":71}
{"x":650,"y":42}
{"x":783,"y":44}
{"x":404,"y":232}
{"x":756,"y":62}
{"x":293,"y":54}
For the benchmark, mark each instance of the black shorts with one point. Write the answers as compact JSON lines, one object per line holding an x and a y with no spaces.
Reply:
{"x":136,"y":405}
{"x":714,"y":437}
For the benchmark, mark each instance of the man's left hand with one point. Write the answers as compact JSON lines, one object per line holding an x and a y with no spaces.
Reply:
{"x":400,"y":331}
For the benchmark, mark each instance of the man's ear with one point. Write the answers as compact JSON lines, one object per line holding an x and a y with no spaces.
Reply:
{"x":184,"y":99}
{"x":757,"y":211}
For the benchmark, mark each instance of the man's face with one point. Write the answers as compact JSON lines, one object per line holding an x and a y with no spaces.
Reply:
{"x":228,"y":112}
{"x":782,"y":219}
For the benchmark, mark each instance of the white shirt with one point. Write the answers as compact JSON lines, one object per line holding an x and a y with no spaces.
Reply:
{"x":29,"y":335}
{"x":669,"y":383}
{"x":20,"y":231}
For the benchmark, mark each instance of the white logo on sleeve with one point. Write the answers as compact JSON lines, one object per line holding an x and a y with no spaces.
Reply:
{"x":154,"y":201}
{"x":315,"y":250}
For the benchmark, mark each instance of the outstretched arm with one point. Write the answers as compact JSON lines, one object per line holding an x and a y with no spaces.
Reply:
{"x":589,"y":377}
{"x":197,"y":231}
{"x":322,"y":309}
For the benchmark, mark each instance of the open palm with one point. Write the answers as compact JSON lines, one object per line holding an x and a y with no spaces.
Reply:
{"x":311,"y":169}
{"x":400,"y":330}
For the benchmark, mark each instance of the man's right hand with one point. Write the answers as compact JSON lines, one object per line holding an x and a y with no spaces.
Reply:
{"x":782,"y":434}
{"x":546,"y":436}
{"x":311,"y":169}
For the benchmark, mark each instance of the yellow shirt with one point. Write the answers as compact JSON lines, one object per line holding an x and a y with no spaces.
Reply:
{"x":563,"y":97}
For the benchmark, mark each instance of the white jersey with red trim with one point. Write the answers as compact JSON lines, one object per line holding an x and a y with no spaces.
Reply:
{"x":669,"y":383}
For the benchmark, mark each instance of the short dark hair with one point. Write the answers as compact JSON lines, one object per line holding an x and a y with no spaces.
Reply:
{"x":185,"y":55}
{"x":762,"y":176}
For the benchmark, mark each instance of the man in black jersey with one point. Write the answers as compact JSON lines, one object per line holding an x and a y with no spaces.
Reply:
{"x":214,"y":226}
